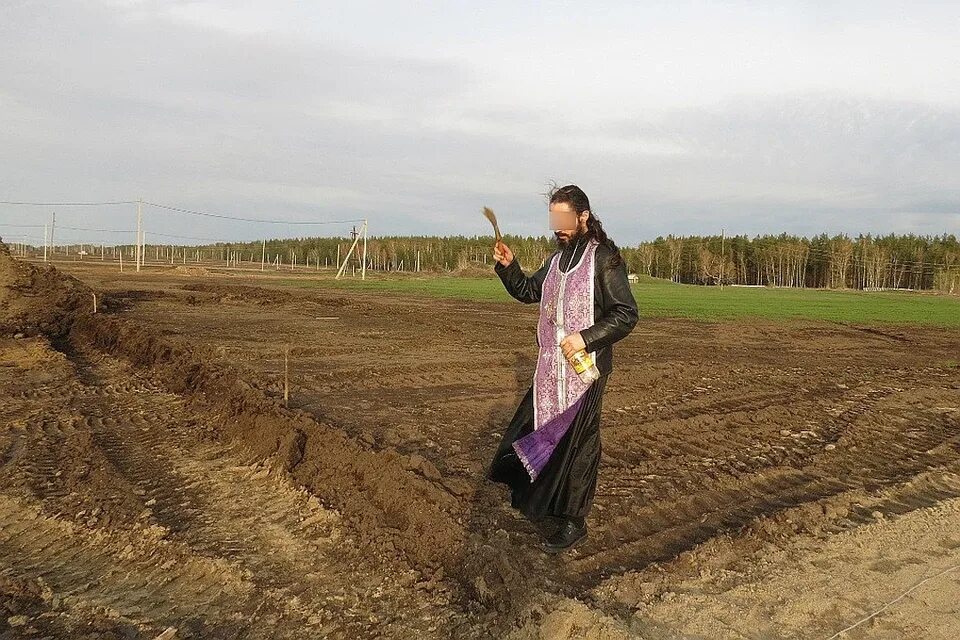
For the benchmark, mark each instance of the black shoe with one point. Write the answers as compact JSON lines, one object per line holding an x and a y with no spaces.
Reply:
{"x":570,"y":533}
{"x":546,"y":526}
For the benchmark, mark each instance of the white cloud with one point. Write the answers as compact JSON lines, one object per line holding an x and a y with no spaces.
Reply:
{"x":675,"y":117}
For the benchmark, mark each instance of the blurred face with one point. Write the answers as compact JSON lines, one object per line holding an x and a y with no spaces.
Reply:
{"x":566,"y":223}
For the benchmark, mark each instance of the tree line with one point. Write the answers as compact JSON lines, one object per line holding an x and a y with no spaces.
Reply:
{"x":889,"y":261}
{"x":892,"y":261}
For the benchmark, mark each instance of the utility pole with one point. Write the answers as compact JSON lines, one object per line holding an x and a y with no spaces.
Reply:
{"x":53,"y":227}
{"x":343,"y":266}
{"x":139,"y":233}
{"x":356,"y":237}
{"x":46,"y":240}
{"x":363,"y":269}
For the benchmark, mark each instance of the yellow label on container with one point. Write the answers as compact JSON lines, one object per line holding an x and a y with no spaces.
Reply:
{"x":581,"y":361}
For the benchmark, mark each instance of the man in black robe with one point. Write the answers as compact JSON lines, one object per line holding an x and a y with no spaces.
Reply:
{"x":563,"y":490}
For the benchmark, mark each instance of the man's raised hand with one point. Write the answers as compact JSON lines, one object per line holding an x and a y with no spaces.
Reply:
{"x":502,"y":254}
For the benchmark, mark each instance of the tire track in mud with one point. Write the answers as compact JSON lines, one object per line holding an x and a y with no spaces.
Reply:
{"x":714,"y":463}
{"x":128,"y":578}
{"x":858,"y":445}
{"x":44,"y":466}
{"x":737,"y":404}
{"x":702,"y":461}
{"x":261,"y":558}
{"x":728,"y":569}
{"x":661,"y":532}
{"x":658,"y":532}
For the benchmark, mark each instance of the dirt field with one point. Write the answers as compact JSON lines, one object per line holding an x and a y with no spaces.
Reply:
{"x":758,"y":480}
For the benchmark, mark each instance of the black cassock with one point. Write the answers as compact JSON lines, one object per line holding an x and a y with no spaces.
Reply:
{"x":565,"y":487}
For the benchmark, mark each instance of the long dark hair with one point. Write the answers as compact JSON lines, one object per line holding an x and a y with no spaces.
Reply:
{"x":578,"y":201}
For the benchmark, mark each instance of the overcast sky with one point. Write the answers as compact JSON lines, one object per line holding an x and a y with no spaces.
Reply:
{"x":674,"y":117}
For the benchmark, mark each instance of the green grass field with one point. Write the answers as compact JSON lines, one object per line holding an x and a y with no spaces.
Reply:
{"x":661,"y":298}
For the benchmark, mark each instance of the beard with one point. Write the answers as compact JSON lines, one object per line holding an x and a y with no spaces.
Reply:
{"x":563,"y":242}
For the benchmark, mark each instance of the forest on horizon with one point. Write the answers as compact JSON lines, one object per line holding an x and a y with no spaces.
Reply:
{"x":891,"y":261}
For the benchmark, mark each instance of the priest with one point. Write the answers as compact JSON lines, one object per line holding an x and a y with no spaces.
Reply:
{"x":550,"y":452}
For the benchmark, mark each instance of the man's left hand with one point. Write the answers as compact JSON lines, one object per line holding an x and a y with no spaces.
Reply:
{"x":571,"y":344}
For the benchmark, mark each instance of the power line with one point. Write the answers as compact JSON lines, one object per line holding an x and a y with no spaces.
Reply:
{"x":170,"y":235}
{"x":207,"y":214}
{"x":68,"y":204}
{"x":193,"y":212}
{"x":152,"y":233}
{"x":97,"y":230}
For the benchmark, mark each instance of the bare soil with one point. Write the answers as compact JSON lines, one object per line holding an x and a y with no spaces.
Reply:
{"x":758,"y":480}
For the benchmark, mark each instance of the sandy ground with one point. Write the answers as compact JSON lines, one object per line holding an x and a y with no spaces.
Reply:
{"x":759,"y":480}
{"x":117,"y":503}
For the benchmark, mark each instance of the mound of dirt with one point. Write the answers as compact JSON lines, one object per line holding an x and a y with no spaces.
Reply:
{"x":39,"y":300}
{"x":390,"y":507}
{"x":394,"y":508}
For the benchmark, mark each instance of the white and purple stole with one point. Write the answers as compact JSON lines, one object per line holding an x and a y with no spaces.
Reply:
{"x":566,"y":307}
